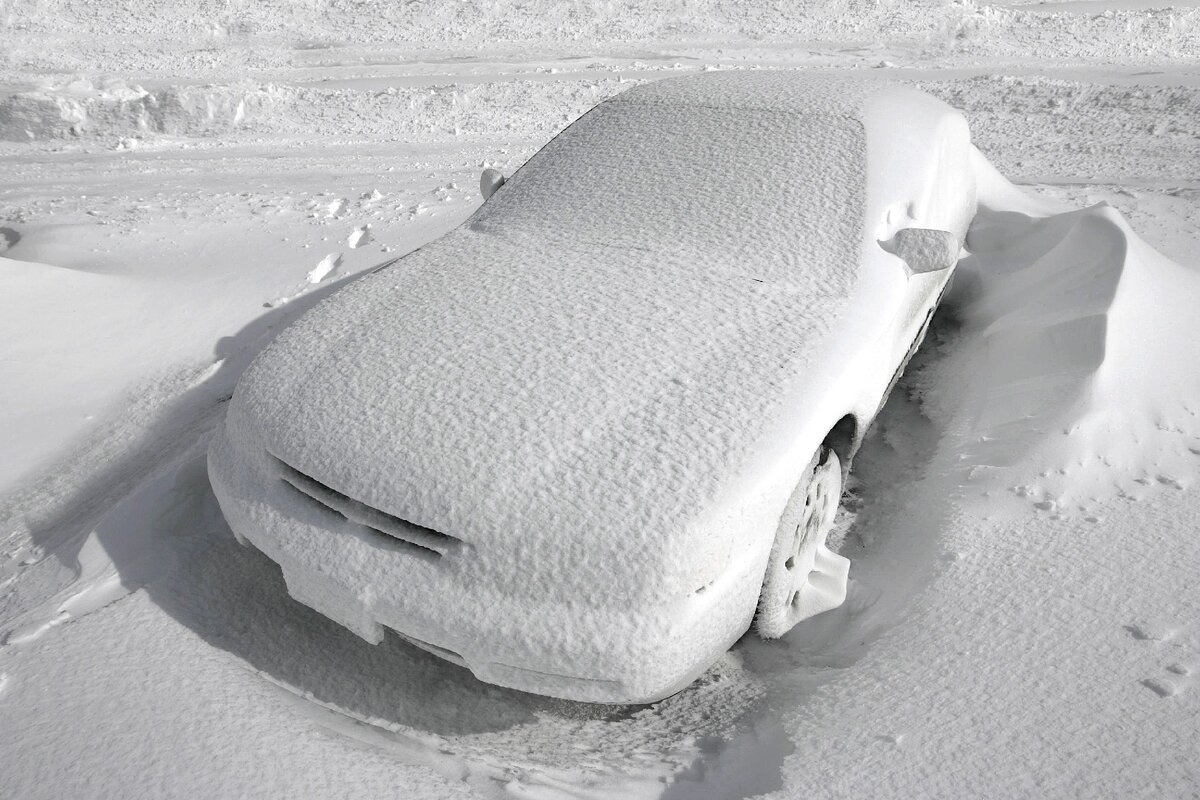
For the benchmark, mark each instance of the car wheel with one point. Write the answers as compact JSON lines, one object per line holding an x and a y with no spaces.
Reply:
{"x":804,"y":577}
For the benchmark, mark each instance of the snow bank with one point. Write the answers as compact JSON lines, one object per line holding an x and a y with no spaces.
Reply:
{"x":195,"y":38}
{"x":83,"y":109}
{"x":1120,"y":31}
{"x":113,"y":107}
{"x":1082,"y":378}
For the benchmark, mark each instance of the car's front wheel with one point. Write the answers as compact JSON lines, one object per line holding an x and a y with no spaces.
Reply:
{"x":804,"y":577}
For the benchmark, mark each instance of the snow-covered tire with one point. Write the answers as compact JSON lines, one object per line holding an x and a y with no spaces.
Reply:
{"x":804,"y":577}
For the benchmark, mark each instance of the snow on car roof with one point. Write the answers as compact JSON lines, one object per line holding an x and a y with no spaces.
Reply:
{"x":760,"y":90}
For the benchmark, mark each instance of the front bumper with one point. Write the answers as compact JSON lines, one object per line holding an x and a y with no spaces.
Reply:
{"x":480,"y":618}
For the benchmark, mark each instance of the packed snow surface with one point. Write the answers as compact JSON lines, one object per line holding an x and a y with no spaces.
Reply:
{"x":1022,"y":520}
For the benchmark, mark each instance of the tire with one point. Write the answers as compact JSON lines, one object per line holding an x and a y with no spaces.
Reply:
{"x":804,"y":577}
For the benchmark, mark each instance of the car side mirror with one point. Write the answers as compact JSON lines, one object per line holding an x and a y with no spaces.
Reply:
{"x":923,"y":249}
{"x":489,"y":181}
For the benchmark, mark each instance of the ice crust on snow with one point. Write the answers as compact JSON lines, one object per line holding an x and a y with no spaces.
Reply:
{"x":607,"y":382}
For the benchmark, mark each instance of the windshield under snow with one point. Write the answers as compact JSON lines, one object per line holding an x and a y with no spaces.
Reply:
{"x":772,"y":191}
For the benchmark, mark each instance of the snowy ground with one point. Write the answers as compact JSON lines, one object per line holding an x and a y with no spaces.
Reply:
{"x":1023,"y":617}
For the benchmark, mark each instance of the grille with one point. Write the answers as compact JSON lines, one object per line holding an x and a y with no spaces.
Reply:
{"x":431,"y":542}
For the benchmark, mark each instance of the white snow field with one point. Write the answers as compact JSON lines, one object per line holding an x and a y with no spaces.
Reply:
{"x":1022,"y":523}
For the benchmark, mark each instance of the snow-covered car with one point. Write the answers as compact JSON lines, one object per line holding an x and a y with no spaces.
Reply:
{"x":583,"y":442}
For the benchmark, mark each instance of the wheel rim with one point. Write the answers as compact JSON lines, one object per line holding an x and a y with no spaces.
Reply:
{"x":804,"y":577}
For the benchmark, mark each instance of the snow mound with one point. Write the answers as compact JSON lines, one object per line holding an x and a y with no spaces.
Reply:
{"x":81,"y":107}
{"x":1135,"y":34}
{"x":1080,"y":366}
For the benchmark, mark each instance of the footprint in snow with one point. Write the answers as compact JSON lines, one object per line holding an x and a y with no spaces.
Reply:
{"x":1163,"y":687}
{"x":1178,"y":674}
{"x":1172,"y":481}
{"x":1178,"y":678}
{"x":1149,"y":631}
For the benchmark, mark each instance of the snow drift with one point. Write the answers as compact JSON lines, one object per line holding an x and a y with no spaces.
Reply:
{"x":1081,"y":360}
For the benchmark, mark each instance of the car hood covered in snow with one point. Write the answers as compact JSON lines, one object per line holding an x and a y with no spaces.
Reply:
{"x":587,"y":366}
